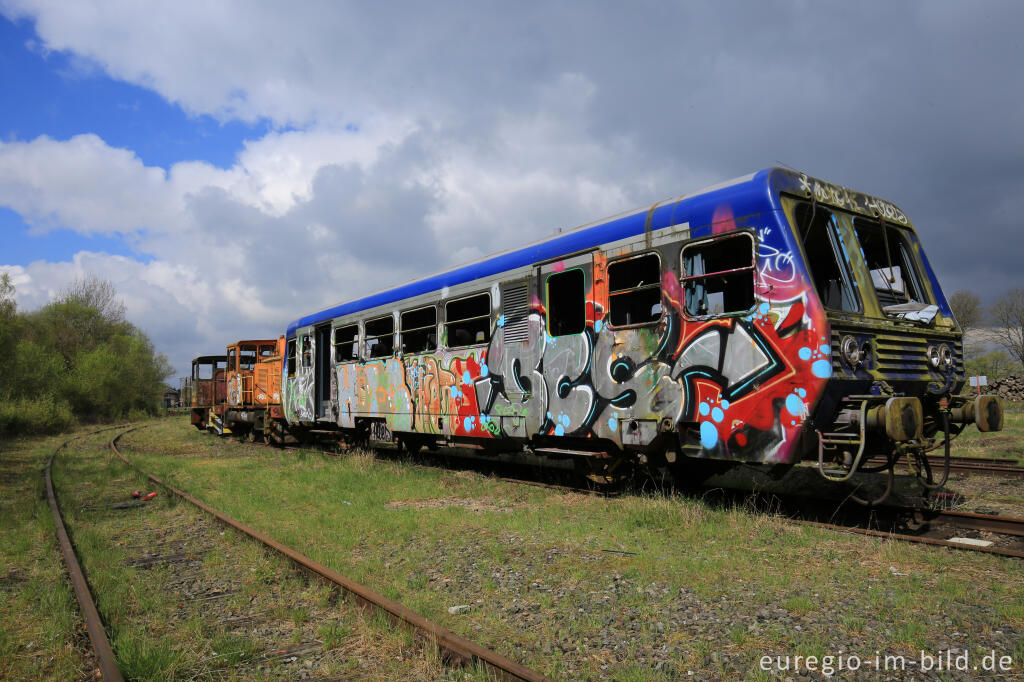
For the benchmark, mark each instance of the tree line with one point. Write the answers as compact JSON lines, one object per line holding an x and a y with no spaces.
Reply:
{"x":75,"y":359}
{"x":1000,"y":324}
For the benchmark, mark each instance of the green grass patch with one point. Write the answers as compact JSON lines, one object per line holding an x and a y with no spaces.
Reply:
{"x":541,"y":566}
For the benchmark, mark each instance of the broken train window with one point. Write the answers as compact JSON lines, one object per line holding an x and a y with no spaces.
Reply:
{"x":307,"y":351}
{"x":380,"y":337}
{"x":718,"y":275}
{"x":634,"y":286}
{"x":567,"y":303}
{"x":346,"y":343}
{"x":468,"y":321}
{"x":419,"y":330}
{"x":817,"y":229}
{"x":247,"y":356}
{"x":888,"y":254}
{"x":291,"y":357}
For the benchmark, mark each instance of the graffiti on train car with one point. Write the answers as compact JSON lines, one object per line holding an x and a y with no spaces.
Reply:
{"x":743,"y":383}
{"x":299,"y":405}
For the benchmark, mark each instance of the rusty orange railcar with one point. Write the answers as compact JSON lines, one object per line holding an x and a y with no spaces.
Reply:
{"x":253,"y":402}
{"x":209,"y":391}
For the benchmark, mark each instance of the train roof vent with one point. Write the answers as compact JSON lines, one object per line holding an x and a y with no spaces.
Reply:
{"x":515,"y":308}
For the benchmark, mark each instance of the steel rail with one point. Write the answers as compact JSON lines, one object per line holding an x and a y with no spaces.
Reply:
{"x":902,"y":537}
{"x":967,"y":465}
{"x":93,"y":623}
{"x":1003,"y":525}
{"x":458,"y":649}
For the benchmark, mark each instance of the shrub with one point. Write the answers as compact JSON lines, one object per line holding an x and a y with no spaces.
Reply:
{"x":42,"y":415}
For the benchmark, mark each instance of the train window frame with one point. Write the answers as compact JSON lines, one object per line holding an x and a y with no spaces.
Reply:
{"x":840,"y":256}
{"x":232,"y":365}
{"x":307,"y":351}
{"x":368,"y":348}
{"x":267,"y":350}
{"x":449,"y":323}
{"x":290,"y":354}
{"x":904,"y":250}
{"x":430,"y":344}
{"x":686,"y":279}
{"x":622,"y":293}
{"x":356,"y":346}
{"x":579,"y":322}
{"x":250,"y":351}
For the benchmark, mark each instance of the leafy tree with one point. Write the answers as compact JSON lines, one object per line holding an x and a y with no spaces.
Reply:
{"x":994,"y":365}
{"x":1008,"y":317}
{"x":967,"y":309}
{"x":7,"y":304}
{"x":75,"y":358}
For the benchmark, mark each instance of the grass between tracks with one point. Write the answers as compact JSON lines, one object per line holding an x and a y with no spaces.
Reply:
{"x":230,"y":610}
{"x":634,"y":587}
{"x":41,"y":635}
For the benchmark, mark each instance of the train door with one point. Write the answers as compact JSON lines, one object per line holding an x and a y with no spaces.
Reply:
{"x":322,"y":372}
{"x":566,"y":290}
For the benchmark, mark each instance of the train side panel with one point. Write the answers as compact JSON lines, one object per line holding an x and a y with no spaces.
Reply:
{"x":563,"y":361}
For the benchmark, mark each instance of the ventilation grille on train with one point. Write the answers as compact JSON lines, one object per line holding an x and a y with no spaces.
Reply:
{"x":903,"y":357}
{"x":515,"y":307}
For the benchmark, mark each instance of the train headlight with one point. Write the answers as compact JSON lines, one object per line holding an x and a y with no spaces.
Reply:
{"x":933,"y":356}
{"x":851,"y":350}
{"x":946,"y":355}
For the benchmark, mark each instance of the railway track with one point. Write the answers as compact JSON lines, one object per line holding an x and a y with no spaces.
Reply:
{"x":455,"y":650}
{"x":999,"y":535}
{"x":968,"y":465}
{"x":93,"y":622}
{"x":951,"y":529}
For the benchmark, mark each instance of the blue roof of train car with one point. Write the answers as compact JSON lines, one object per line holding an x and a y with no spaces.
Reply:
{"x":746,"y":195}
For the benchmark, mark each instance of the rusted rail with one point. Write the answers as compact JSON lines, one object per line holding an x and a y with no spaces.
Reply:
{"x":921,"y":539}
{"x":1007,"y":468}
{"x":455,"y":648}
{"x":93,"y":623}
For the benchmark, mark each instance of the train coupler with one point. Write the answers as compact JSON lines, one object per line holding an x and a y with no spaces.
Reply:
{"x":984,"y":411}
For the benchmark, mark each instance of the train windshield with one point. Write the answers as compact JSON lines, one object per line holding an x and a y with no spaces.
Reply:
{"x":826,"y":256}
{"x":887,"y":253}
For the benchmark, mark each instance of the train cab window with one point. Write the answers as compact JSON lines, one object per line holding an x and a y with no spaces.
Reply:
{"x":567,"y":303}
{"x":718,"y":276}
{"x":307,"y":351}
{"x":634,"y":287}
{"x":419,"y":330}
{"x":380,"y":337}
{"x":817,"y":229}
{"x":267,"y":350}
{"x":232,"y":357}
{"x":468,"y":321}
{"x":203,"y":371}
{"x":291,"y":357}
{"x":889,"y":260}
{"x":247,"y":356}
{"x":346,"y":343}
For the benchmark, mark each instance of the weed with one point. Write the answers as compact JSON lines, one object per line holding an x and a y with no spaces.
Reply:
{"x":143,"y":658}
{"x":230,"y":649}
{"x":333,"y":634}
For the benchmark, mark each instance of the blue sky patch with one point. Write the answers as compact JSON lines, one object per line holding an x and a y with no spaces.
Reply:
{"x":57,"y":97}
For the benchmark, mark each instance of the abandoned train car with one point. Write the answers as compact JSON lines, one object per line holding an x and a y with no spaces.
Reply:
{"x":765,"y":320}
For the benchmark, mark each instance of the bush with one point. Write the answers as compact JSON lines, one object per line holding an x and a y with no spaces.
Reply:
{"x":22,"y":416}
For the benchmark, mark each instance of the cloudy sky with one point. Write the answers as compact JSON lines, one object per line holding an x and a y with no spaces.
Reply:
{"x":230,"y":166}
